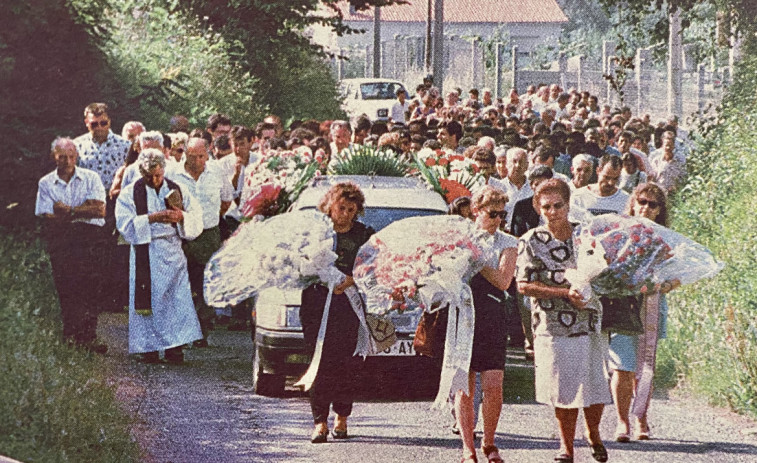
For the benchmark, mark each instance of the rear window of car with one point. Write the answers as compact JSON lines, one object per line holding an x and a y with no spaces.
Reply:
{"x":380,"y":217}
{"x":380,"y":90}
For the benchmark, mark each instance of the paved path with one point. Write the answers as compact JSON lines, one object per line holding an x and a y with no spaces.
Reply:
{"x":204,"y":411}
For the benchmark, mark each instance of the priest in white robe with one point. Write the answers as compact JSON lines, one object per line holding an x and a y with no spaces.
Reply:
{"x":154,"y":219}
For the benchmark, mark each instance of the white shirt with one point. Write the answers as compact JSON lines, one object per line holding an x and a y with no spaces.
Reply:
{"x":583,"y":199}
{"x":84,"y":185}
{"x":398,"y":111}
{"x":228,"y":167}
{"x":210,"y":190}
{"x":514,"y":194}
{"x":104,"y":158}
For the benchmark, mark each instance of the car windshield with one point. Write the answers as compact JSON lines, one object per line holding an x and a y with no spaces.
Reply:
{"x":380,"y":217}
{"x":380,"y":90}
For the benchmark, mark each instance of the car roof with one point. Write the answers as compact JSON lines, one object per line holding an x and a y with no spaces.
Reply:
{"x":367,"y":80}
{"x":393,"y":192}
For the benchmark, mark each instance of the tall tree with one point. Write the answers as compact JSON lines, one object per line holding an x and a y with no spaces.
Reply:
{"x":269,"y":39}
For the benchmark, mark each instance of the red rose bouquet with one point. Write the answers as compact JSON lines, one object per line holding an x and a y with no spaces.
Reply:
{"x":626,"y":256}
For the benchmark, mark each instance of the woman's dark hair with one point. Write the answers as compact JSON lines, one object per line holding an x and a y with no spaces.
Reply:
{"x":654,"y":190}
{"x":553,"y":185}
{"x":133,"y":154}
{"x":457,"y":205}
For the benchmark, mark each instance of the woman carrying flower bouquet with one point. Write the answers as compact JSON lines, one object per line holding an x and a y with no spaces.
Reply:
{"x":570,"y":352}
{"x":648,"y":200}
{"x":490,"y":330}
{"x":334,"y":383}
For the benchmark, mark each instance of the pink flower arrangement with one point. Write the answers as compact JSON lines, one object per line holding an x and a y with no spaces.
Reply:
{"x":393,"y":268}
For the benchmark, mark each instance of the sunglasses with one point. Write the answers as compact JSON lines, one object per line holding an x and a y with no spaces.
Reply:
{"x":179,"y":150}
{"x":651,"y":204}
{"x":497,"y":214}
{"x":101,"y":124}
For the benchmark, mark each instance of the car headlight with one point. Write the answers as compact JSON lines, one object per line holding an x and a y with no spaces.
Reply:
{"x":382,"y":113}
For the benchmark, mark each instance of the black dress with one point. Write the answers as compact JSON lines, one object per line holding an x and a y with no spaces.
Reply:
{"x":334,"y":383}
{"x":490,"y":327}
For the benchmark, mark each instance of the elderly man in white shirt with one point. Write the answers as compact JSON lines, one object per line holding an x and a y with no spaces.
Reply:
{"x":205,"y":181}
{"x":71,"y":202}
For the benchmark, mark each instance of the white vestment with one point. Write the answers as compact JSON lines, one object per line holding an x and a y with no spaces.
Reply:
{"x":173,"y":321}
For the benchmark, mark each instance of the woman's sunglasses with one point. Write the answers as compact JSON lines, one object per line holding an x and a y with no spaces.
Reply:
{"x":496,"y":214}
{"x":651,"y":204}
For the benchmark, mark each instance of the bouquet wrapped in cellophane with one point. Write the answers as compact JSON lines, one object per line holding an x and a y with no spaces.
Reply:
{"x":626,"y":256}
{"x":418,"y":262}
{"x":289,"y":251}
{"x":276,"y":181}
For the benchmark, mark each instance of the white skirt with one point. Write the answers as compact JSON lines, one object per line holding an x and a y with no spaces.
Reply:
{"x":572,"y":372}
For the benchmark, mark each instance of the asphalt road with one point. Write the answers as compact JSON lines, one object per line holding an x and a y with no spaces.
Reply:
{"x":205,"y":411}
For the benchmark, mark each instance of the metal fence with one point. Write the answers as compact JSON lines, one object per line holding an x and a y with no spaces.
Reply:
{"x":470,"y":62}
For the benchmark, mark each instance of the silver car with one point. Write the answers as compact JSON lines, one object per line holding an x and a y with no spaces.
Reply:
{"x":279,"y":348}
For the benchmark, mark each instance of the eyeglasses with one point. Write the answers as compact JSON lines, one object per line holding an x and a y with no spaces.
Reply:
{"x":497,"y":214}
{"x":645,"y":202}
{"x":101,"y":124}
{"x":179,"y":150}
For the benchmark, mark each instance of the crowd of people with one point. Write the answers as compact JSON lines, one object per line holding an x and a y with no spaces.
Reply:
{"x":174,"y":197}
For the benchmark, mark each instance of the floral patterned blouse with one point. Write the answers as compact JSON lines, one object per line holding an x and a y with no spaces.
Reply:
{"x":543,"y":258}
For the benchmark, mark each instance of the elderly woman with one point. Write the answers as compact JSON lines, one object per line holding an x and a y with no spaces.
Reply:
{"x":570,"y":351}
{"x":648,"y":200}
{"x":161,"y":313}
{"x":334,"y":384}
{"x":490,"y":330}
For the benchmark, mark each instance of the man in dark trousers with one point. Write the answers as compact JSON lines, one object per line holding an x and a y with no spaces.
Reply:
{"x":71,"y":202}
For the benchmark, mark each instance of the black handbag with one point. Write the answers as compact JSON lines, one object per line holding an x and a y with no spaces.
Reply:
{"x":622,"y":315}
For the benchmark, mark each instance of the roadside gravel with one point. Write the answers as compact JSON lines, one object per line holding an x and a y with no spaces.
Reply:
{"x":204,"y":411}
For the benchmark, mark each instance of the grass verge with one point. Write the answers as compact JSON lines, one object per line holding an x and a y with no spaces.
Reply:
{"x":712,"y":345}
{"x":55,"y":402}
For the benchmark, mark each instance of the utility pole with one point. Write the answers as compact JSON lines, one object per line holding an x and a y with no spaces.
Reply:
{"x":377,"y":51}
{"x":439,"y":45}
{"x":675,"y":88}
{"x":428,"y":38}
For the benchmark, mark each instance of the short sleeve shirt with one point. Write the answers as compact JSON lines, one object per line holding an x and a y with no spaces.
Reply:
{"x":84,"y":185}
{"x":104,"y":158}
{"x":586,"y":200}
{"x":543,"y":258}
{"x":210,"y":189}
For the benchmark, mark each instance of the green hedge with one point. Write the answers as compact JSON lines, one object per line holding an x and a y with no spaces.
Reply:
{"x":712,"y":345}
{"x":56,"y":404}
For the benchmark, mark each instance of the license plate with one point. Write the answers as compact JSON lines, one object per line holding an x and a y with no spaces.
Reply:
{"x":401,"y":347}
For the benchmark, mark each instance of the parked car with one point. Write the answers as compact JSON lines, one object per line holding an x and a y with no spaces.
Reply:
{"x":372,"y":97}
{"x":279,"y":348}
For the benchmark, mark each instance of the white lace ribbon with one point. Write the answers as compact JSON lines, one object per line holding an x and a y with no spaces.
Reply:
{"x":458,"y":348}
{"x":646,"y":354}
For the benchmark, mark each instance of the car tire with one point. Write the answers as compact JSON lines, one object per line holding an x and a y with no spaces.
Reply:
{"x":263,"y":383}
